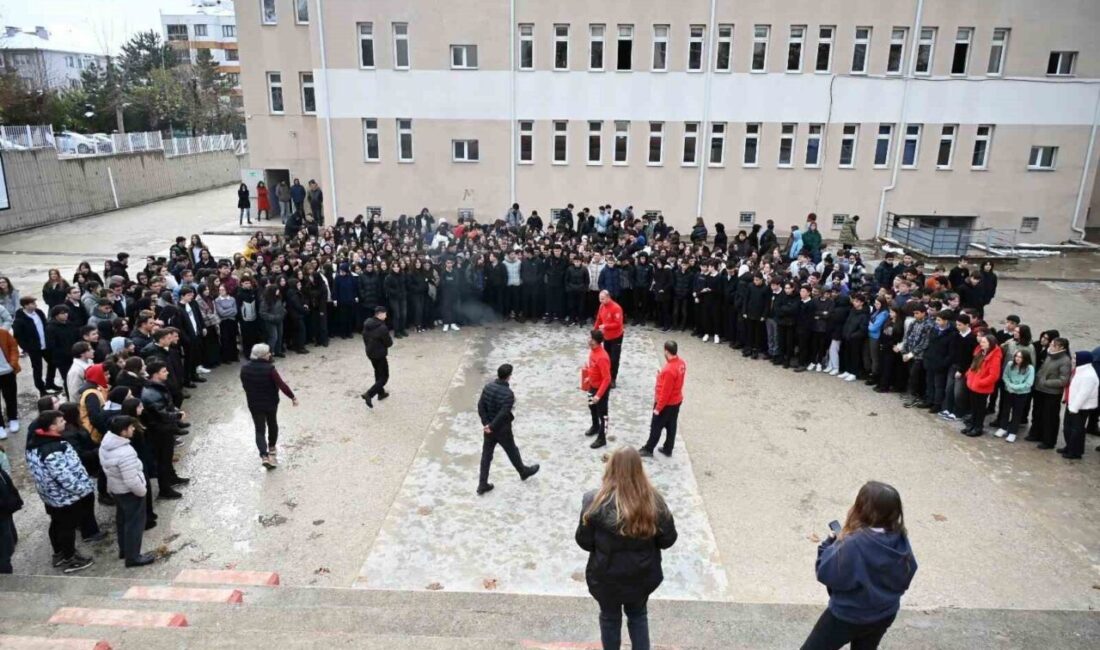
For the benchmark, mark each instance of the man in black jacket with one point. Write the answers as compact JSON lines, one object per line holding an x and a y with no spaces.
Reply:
{"x":555,"y":268}
{"x":29,"y":328}
{"x":161,"y":419}
{"x":961,"y":353}
{"x":495,"y":410}
{"x":262,"y":383}
{"x":938,"y":361}
{"x":377,"y":340}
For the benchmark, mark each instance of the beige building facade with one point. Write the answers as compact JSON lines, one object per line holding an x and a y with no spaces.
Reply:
{"x":981,"y":115}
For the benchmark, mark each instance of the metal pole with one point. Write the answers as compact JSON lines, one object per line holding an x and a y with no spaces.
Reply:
{"x":328,"y":110}
{"x":114,"y":192}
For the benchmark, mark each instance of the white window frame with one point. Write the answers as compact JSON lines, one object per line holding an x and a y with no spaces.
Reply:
{"x":691,"y":144}
{"x":232,"y":54}
{"x":964,"y":36}
{"x":837,"y":221}
{"x":229,"y":31}
{"x":788,"y":133}
{"x":200,"y":29}
{"x":597,"y":35}
{"x":1071,"y":69}
{"x":299,"y":5}
{"x":863,"y":40}
{"x":1035,"y":159}
{"x":984,"y":135}
{"x":883,"y":141}
{"x":272,"y":86}
{"x":622,"y":134}
{"x":302,"y":81}
{"x":796,"y":39}
{"x":464,"y":51}
{"x":998,"y":49}
{"x":660,"y":48}
{"x":742,"y":221}
{"x":467,"y":147}
{"x":366,"y":36}
{"x":826,"y":40}
{"x":370,"y":131}
{"x":898,"y":38}
{"x":266,"y":17}
{"x":927,"y":42}
{"x":717,"y":135}
{"x":913,"y":133}
{"x":752,"y":134}
{"x":697,"y":35}
{"x":560,"y":130}
{"x":848,"y":133}
{"x":401,"y":34}
{"x":526,"y":131}
{"x":760,"y":36}
{"x":625,"y":33}
{"x":595,"y":136}
{"x":948,"y":135}
{"x":405,"y":127}
{"x":561,"y":43}
{"x":725,"y":42}
{"x":526,"y":40}
{"x":1029,"y":225}
{"x":815,"y":133}
{"x":656,"y":135}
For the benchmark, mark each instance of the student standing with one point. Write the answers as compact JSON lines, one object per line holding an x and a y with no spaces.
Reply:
{"x":244,"y":205}
{"x":29,"y":329}
{"x":10,"y":503}
{"x":126,"y":483}
{"x":668,"y":396}
{"x":596,"y":380}
{"x":609,"y":321}
{"x":494,"y":407}
{"x":1018,"y":377}
{"x":1081,"y":397}
{"x":9,"y":387}
{"x":377,"y":341}
{"x":262,"y":383}
{"x":981,"y":380}
{"x":1050,"y":381}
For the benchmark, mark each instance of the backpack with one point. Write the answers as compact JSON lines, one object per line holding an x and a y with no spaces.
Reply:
{"x":85,"y":417}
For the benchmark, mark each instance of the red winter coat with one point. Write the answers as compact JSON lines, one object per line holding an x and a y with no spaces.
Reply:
{"x":262,"y":203}
{"x":984,"y":379}
{"x":609,"y":320}
{"x":670,"y":384}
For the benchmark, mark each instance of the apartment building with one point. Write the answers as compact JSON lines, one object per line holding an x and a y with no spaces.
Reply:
{"x":975,"y":115}
{"x":195,"y":25}
{"x":45,"y":61}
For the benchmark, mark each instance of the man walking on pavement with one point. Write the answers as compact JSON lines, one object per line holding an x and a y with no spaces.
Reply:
{"x":609,"y":321}
{"x":669,"y":394}
{"x":262,"y":383}
{"x":596,"y":379}
{"x":495,"y":410}
{"x":377,"y":339}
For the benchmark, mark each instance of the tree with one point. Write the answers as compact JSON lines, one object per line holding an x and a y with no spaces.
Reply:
{"x":143,"y":54}
{"x":162,"y":100}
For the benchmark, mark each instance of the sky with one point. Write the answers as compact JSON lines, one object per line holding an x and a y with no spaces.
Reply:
{"x":96,"y":26}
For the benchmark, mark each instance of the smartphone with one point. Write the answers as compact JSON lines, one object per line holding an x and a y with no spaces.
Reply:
{"x":834,"y":526}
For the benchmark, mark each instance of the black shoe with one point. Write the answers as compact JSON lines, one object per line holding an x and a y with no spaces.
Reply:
{"x":880,"y":389}
{"x":1032,"y":439}
{"x":106,"y":499}
{"x":1043,"y":445}
{"x":973,"y":433}
{"x":598,"y":442}
{"x":180,"y":480}
{"x":665,"y":450}
{"x":183,"y":425}
{"x":144,"y":559}
{"x":933,"y":409}
{"x":482,"y":489}
{"x":645,"y":453}
{"x":592,"y":430}
{"x":77,"y":563}
{"x":383,"y":395}
{"x":58,"y":559}
{"x":169,"y":494}
{"x":150,"y":524}
{"x":800,"y":368}
{"x":367,"y":400}
{"x":201,"y":380}
{"x":280,"y":355}
{"x":98,"y":537}
{"x":529,"y":472}
{"x":189,"y":384}
{"x":1071,"y":457}
{"x":302,"y":351}
{"x":910,"y":403}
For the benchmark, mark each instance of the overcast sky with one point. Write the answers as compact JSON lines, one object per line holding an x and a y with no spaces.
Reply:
{"x":98,"y":26}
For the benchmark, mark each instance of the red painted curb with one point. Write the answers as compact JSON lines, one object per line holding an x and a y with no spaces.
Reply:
{"x":117,"y":617}
{"x":228,"y":577}
{"x":186,"y":594}
{"x":42,"y":643}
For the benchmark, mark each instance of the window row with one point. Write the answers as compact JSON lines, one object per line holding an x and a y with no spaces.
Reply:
{"x":178,"y":32}
{"x":269,"y":11}
{"x":275,"y":98}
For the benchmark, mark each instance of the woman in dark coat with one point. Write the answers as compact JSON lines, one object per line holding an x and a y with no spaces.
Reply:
{"x":244,"y":205}
{"x":988,"y":286}
{"x":624,"y":526}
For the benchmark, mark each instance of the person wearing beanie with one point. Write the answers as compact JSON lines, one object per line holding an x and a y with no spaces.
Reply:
{"x":126,"y":482}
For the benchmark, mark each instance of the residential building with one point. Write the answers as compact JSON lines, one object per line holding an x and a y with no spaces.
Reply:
{"x":45,"y":63}
{"x":195,"y":25}
{"x":975,"y":115}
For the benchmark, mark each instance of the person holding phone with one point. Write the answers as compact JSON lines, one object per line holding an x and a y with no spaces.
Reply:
{"x":866,"y":565}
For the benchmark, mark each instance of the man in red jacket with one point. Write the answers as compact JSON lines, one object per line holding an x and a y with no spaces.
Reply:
{"x":596,"y":379}
{"x":669,"y":394}
{"x":609,"y":321}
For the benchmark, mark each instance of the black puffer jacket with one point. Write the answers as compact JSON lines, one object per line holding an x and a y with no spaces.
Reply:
{"x":495,"y":405}
{"x":576,"y":279}
{"x":369,"y":286}
{"x":376,"y":338}
{"x":621,"y":568}
{"x":785,"y":308}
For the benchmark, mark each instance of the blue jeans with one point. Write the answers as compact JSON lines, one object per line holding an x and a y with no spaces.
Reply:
{"x":275,"y":337}
{"x":611,"y":624}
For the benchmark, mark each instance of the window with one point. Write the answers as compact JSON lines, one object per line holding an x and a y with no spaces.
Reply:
{"x":175,"y":33}
{"x":464,"y":57}
{"x":962,"y":50}
{"x":1061,"y":63}
{"x":660,"y":48}
{"x":74,"y":83}
{"x":526,"y":143}
{"x":464,"y":150}
{"x":561,"y":148}
{"x":595,"y":47}
{"x":200,"y":30}
{"x":813,"y":146}
{"x":401,"y":48}
{"x":301,"y":12}
{"x":718,"y":144}
{"x":70,"y":62}
{"x":595,"y":143}
{"x":760,"y":47}
{"x":374,"y":211}
{"x":786,"y":144}
{"x":910,"y":150}
{"x":752,"y":145}
{"x":268,"y":15}
{"x":366,"y":45}
{"x":309,"y":96}
{"x":275,"y":92}
{"x":882,"y":145}
{"x":233,"y":79}
{"x":997,"y":48}
{"x":232,"y":55}
{"x":746,"y":218}
{"x":561,"y":47}
{"x":625,"y":48}
{"x":1029,"y":224}
{"x":695,"y":47}
{"x":229,"y":31}
{"x":1042,"y":158}
{"x":848,"y":138}
{"x":526,"y":47}
{"x":724,"y":59}
{"x":691,"y":143}
{"x":838,"y":221}
{"x":622,"y":142}
{"x":824,"y":49}
{"x":859,"y":52}
{"x":370,"y":140}
{"x":947,"y":146}
{"x":404,"y":140}
{"x":656,"y":143}
{"x":794,"y":48}
{"x":896,"y":56}
{"x":984,"y":137}
{"x":925,"y":48}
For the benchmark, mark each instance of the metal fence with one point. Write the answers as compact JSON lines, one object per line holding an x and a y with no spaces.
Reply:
{"x":132,"y":142}
{"x":198,"y":144}
{"x":100,"y":144}
{"x":26,"y":136}
{"x":911,"y":234}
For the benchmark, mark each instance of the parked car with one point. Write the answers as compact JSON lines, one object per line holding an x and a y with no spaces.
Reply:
{"x":74,"y":143}
{"x":103,"y":143}
{"x":10,"y":145}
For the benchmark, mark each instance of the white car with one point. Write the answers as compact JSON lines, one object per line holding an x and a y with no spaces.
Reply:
{"x":74,"y":143}
{"x":11,"y":146}
{"x":103,"y":143}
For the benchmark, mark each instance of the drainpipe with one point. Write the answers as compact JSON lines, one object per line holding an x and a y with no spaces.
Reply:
{"x":702,"y":140}
{"x":328,"y":111}
{"x":900,"y":135}
{"x":1085,"y":172}
{"x":512,"y":94}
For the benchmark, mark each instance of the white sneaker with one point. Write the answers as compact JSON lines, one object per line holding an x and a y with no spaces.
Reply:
{"x":203,"y":371}
{"x":706,"y":338}
{"x":446,"y":328}
{"x":454,"y":326}
{"x":3,"y":433}
{"x":1011,"y":437}
{"x":850,"y":377}
{"x":716,"y":339}
{"x":13,"y":425}
{"x":810,"y":367}
{"x":834,"y":372}
{"x":1000,"y":433}
{"x":820,"y":368}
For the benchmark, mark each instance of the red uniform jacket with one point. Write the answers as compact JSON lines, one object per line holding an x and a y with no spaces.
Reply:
{"x":609,"y":320}
{"x":597,"y":372}
{"x":983,"y":380}
{"x":670,"y":384}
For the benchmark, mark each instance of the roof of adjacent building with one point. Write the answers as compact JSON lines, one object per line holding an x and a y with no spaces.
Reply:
{"x":199,"y":8}
{"x":39,"y":38}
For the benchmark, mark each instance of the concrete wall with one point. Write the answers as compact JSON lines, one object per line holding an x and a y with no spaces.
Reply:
{"x":45,"y":189}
